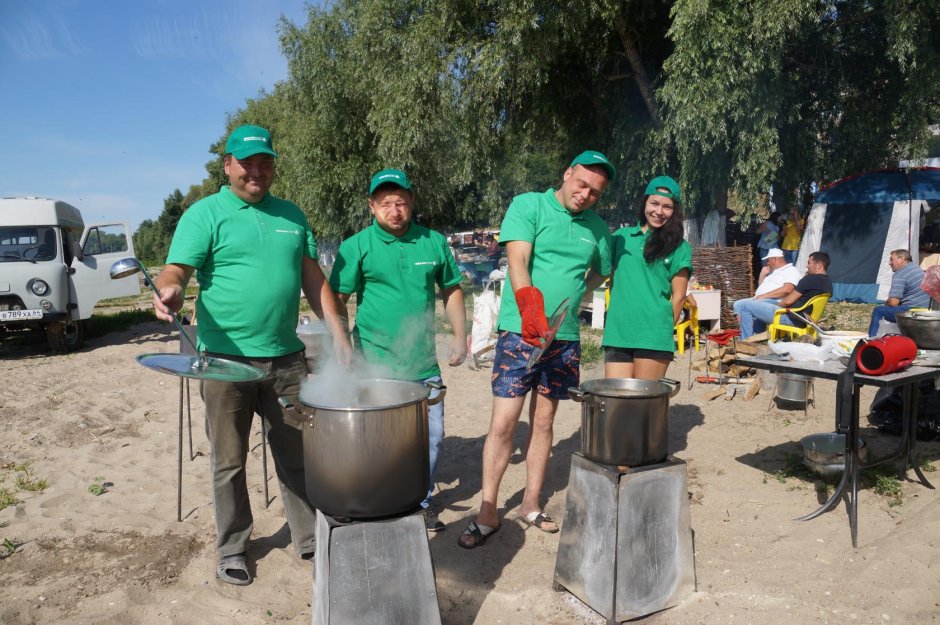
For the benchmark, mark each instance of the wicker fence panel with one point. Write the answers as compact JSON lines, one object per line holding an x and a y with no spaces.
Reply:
{"x":728,"y":269}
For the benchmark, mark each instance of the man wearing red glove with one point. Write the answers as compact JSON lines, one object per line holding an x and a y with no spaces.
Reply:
{"x":557,"y":248}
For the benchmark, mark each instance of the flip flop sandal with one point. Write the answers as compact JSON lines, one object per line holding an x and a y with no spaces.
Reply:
{"x":537,"y":519}
{"x":476,"y":535}
{"x":233,"y":570}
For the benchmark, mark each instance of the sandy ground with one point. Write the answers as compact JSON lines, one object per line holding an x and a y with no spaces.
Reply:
{"x":121,"y":557}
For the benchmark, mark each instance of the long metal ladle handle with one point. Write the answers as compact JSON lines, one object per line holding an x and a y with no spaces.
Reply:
{"x":149,"y":281}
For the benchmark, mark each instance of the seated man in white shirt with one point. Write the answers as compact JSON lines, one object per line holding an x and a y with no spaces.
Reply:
{"x":773,"y":286}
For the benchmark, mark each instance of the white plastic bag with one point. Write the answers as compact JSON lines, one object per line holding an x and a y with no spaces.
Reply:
{"x":829,"y":350}
{"x":485,"y":314}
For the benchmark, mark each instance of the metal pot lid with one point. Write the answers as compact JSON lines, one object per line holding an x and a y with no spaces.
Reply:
{"x":365,"y":394}
{"x":193,"y":366}
{"x":626,"y":387}
{"x":554,"y":323}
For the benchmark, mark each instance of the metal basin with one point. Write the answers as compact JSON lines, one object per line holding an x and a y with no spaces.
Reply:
{"x":923,"y":327}
{"x":825,"y":453}
{"x":625,"y":421}
{"x":368,"y":458}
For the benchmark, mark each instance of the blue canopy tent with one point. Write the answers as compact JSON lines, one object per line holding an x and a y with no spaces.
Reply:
{"x":860,"y":219}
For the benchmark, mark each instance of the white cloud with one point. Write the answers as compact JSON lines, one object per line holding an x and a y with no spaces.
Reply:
{"x":31,"y":38}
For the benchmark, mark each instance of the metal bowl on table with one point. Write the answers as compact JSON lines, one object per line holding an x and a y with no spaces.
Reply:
{"x":921,"y":326}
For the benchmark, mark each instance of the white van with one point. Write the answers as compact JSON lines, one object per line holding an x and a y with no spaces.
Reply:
{"x":54,"y":268}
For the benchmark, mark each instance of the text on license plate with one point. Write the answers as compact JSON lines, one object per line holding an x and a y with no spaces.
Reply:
{"x":15,"y":315}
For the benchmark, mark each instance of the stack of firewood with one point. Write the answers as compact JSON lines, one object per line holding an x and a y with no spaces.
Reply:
{"x":720,"y":360}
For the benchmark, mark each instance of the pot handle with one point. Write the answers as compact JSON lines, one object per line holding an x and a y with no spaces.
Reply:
{"x":292,"y":415}
{"x":674,"y":384}
{"x":440,"y":396}
{"x":577,"y":394}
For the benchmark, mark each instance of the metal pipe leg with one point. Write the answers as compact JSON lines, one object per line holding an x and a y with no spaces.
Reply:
{"x":179,"y":461}
{"x":189,"y":419}
{"x":264,"y":464}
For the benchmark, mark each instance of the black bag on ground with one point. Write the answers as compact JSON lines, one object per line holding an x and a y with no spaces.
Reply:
{"x":887,"y":406}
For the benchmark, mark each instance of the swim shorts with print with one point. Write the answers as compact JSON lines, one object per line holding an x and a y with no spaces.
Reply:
{"x":558,"y":369}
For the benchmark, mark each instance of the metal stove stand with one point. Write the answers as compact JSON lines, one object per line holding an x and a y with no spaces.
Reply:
{"x":374,"y":572}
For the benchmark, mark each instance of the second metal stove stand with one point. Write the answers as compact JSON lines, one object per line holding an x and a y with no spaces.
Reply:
{"x":626,"y":543}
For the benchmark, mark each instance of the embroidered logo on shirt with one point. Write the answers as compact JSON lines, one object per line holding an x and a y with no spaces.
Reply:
{"x":426,"y":262}
{"x":288,"y":231}
{"x":593,"y":243}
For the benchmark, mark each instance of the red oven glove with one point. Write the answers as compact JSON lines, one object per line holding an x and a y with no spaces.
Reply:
{"x":532,"y":310}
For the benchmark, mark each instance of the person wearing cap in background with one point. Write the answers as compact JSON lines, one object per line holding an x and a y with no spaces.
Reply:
{"x":252,"y":254}
{"x":652,"y":263}
{"x":557,"y":248}
{"x":392,"y":266}
{"x":776,"y":281}
{"x":905,"y":292}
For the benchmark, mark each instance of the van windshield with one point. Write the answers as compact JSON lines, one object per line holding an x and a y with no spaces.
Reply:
{"x":28,"y":244}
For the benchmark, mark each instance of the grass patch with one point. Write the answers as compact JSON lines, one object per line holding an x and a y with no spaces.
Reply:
{"x":101,"y":324}
{"x":591,"y":351}
{"x":7,"y":499}
{"x":7,"y":548}
{"x":883,"y":480}
{"x":26,"y":482}
{"x":99,"y":486}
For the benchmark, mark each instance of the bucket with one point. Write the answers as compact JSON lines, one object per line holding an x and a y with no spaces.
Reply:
{"x":793,"y":387}
{"x":317,"y":342}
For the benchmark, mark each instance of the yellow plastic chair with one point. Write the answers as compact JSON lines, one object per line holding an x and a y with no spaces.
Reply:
{"x":690,"y":323}
{"x":813,"y":308}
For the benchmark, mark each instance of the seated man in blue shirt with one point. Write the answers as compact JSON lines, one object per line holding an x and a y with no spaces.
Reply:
{"x":905,"y":292}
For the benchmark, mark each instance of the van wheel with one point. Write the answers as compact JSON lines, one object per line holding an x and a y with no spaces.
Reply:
{"x":64,"y":336}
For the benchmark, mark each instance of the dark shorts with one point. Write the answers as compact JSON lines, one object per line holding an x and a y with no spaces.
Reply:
{"x":626,"y":354}
{"x":558,"y":369}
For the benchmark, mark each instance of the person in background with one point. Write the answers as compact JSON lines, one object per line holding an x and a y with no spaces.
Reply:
{"x":252,"y":254}
{"x":760,"y":312}
{"x":651,"y":267}
{"x":557,"y":248}
{"x":792,"y":235}
{"x":393,"y":266}
{"x":779,"y":279}
{"x":769,"y":235}
{"x":905,"y":292}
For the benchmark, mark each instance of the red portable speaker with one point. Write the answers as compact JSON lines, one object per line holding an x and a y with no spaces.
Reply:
{"x":887,"y":354}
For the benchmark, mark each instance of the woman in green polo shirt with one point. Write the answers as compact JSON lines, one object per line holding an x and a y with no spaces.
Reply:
{"x":651,"y":267}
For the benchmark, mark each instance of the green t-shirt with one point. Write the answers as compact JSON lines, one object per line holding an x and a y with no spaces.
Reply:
{"x":393,"y":279}
{"x":248,"y":263}
{"x":564,"y":246}
{"x":640,"y":311}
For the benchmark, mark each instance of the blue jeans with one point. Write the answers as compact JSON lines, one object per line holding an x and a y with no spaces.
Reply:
{"x":790,"y":256}
{"x":435,"y":434}
{"x":755,"y":314}
{"x":883,"y":312}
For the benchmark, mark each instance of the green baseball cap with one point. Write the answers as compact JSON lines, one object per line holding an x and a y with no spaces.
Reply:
{"x":657,"y":184}
{"x":590,"y":157}
{"x":389,"y":176}
{"x":247,"y":141}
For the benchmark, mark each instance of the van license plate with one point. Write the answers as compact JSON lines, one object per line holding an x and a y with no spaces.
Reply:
{"x":16,"y":315}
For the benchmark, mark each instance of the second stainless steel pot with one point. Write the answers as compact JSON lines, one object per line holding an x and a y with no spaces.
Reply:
{"x":369,"y":459}
{"x":625,"y":421}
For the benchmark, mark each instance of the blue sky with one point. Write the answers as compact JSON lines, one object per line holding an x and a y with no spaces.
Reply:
{"x":111,"y":105}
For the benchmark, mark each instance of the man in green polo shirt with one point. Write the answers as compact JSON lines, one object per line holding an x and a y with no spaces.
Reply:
{"x":252,"y":253}
{"x":557,"y":248}
{"x":393,"y":266}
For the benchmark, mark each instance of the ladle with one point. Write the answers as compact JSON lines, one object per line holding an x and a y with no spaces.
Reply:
{"x":199,"y":366}
{"x":128,"y":267}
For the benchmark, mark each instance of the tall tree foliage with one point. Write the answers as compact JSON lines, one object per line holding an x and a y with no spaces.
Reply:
{"x":785,"y":93}
{"x":481,"y":100}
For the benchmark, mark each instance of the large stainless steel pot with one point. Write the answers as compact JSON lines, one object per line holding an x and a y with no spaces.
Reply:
{"x":625,"y":421}
{"x":367,"y":457}
{"x":922,"y":326}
